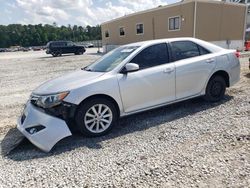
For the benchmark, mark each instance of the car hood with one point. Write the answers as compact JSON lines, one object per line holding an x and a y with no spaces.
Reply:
{"x":67,"y":82}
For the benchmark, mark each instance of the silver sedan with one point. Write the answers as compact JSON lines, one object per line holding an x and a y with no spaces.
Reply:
{"x":130,"y":79}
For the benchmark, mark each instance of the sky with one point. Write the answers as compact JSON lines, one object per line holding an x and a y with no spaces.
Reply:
{"x":74,"y":12}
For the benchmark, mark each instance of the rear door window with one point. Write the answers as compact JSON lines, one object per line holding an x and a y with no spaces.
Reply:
{"x":152,"y":56}
{"x":186,"y":49}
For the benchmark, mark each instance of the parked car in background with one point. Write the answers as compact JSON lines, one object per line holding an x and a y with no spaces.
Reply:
{"x":130,"y":79}
{"x":57,"y":48}
{"x":37,"y":48}
{"x":89,"y":45}
{"x":24,"y":49}
{"x":2,"y":50}
{"x":8,"y":50}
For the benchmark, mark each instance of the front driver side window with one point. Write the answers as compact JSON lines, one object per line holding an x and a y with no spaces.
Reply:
{"x":152,"y":56}
{"x":70,"y":44}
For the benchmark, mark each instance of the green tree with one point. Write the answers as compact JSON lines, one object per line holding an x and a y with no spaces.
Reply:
{"x":36,"y":35}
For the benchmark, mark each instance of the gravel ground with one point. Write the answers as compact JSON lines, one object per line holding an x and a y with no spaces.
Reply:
{"x":189,"y":144}
{"x":22,"y":72}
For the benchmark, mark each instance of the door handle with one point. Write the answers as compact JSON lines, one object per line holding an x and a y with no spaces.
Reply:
{"x":209,"y":60}
{"x":168,"y":70}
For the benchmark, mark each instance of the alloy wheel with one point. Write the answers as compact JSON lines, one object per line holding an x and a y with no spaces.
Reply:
{"x":98,"y":118}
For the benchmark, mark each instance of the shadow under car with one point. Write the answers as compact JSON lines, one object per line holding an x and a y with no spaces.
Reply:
{"x":126,"y":125}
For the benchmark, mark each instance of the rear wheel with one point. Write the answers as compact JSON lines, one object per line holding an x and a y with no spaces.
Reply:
{"x":96,"y":117}
{"x":215,"y":90}
{"x":79,"y":53}
{"x":56,"y":54}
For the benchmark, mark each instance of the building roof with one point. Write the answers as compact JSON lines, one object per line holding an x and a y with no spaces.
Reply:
{"x":172,"y":5}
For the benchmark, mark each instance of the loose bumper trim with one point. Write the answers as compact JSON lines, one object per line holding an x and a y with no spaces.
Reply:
{"x":55,"y":128}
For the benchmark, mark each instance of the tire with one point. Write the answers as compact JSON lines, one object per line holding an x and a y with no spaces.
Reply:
{"x":79,"y":53}
{"x":54,"y":54}
{"x":96,"y":117}
{"x":215,"y":90}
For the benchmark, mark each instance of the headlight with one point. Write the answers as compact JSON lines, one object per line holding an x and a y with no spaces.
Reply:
{"x":48,"y":101}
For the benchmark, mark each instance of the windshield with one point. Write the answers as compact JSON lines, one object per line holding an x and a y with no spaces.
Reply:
{"x":109,"y":61}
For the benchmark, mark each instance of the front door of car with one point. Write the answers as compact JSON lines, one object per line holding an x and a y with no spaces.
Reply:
{"x":194,"y":64}
{"x":63,"y":47}
{"x":153,"y":84}
{"x":68,"y":47}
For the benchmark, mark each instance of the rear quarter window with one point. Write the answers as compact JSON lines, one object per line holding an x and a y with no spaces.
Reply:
{"x":203,"y":51}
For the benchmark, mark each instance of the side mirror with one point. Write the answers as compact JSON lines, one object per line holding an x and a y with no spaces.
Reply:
{"x":130,"y":67}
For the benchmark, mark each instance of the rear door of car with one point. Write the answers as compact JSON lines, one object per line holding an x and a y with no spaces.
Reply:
{"x":194,"y":65}
{"x":153,"y":84}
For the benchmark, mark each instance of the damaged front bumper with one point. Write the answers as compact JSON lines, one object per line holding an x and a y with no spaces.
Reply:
{"x":42,"y":129}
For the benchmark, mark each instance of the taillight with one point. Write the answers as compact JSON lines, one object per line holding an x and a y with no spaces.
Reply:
{"x":237,"y":54}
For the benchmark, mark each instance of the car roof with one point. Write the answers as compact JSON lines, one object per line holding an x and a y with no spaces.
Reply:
{"x":207,"y":45}
{"x":157,"y":41}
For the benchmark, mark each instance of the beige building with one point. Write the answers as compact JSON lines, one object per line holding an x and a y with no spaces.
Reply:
{"x":219,"y":22}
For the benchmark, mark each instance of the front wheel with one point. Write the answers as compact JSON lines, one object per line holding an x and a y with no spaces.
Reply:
{"x":96,"y":117}
{"x":215,"y":89}
{"x":56,"y":54}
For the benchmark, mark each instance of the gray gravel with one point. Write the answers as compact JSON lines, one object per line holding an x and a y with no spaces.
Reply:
{"x":22,"y":72}
{"x":189,"y":144}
